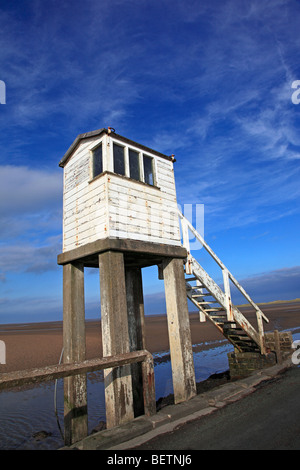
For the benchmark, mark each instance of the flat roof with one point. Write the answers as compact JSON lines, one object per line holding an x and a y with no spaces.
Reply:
{"x":98,"y":133}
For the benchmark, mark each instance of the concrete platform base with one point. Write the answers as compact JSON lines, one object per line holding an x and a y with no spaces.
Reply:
{"x":243,"y":364}
{"x":279,"y":347}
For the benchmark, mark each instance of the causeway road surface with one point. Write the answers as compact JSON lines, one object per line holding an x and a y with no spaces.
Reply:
{"x":267,"y":419}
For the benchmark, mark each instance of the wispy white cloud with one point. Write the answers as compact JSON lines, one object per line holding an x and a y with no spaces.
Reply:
{"x":52,"y":70}
{"x":30,"y":257}
{"x":30,"y":219}
{"x":25,"y":309}
{"x":210,"y":83}
{"x":242,"y":146}
{"x":279,"y":284}
{"x":26,"y":190}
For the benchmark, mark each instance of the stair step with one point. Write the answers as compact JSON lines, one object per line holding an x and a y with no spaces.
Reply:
{"x":216,"y":314}
{"x":240,"y":338}
{"x":219,"y":320}
{"x":214,"y":309}
{"x":233,"y":325}
{"x":235,"y":332}
{"x":224,"y":317}
{"x":202,"y":295}
{"x":235,"y":329}
{"x":195,"y":287}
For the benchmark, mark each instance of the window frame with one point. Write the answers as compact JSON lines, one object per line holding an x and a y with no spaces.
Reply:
{"x":92,"y":150}
{"x":140,"y":172}
{"x":108,"y":161}
{"x":124,"y":156}
{"x":153,"y":167}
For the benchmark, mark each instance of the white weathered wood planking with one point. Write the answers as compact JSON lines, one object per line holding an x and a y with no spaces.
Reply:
{"x":85,"y":217}
{"x":114,"y":206}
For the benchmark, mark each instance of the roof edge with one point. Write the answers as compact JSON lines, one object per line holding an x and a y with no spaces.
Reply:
{"x":98,"y":132}
{"x":80,"y":137}
{"x":143,"y":147}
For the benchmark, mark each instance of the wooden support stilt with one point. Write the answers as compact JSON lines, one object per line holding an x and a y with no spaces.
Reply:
{"x":136,"y":330}
{"x":179,"y":331}
{"x":75,"y":388}
{"x":115,"y":338}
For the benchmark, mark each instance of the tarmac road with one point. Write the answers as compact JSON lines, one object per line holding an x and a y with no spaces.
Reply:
{"x":267,"y":419}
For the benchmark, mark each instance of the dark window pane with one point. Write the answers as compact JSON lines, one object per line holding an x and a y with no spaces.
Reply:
{"x":134,"y":166}
{"x":97,"y":161}
{"x":119,"y":162}
{"x":148,"y":170}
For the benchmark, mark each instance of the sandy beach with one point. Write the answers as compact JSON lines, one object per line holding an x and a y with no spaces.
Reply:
{"x":39,"y":344}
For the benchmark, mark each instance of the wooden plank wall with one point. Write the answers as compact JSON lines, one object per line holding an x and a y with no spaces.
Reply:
{"x":142,"y":212}
{"x":85,"y":216}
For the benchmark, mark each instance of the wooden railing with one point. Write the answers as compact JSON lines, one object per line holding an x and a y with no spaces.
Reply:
{"x":54,"y":372}
{"x":227,"y":276}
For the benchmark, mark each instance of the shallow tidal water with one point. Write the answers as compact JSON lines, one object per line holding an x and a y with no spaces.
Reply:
{"x":24,"y":414}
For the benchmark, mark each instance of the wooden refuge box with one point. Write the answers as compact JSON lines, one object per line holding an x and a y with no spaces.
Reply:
{"x":120,"y":215}
{"x":117,"y":188}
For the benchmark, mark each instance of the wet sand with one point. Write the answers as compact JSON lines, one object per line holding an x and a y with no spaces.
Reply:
{"x":39,"y":344}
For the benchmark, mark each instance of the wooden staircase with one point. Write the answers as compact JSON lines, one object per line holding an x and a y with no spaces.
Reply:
{"x":215,"y":304}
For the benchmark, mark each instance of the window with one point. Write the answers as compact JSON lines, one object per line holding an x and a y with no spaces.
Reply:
{"x":134,"y":165}
{"x":131,"y":163}
{"x":119,"y":160}
{"x":97,"y":161}
{"x":148,"y":170}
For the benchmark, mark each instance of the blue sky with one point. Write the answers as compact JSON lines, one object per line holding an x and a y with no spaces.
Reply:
{"x":210,"y":81}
